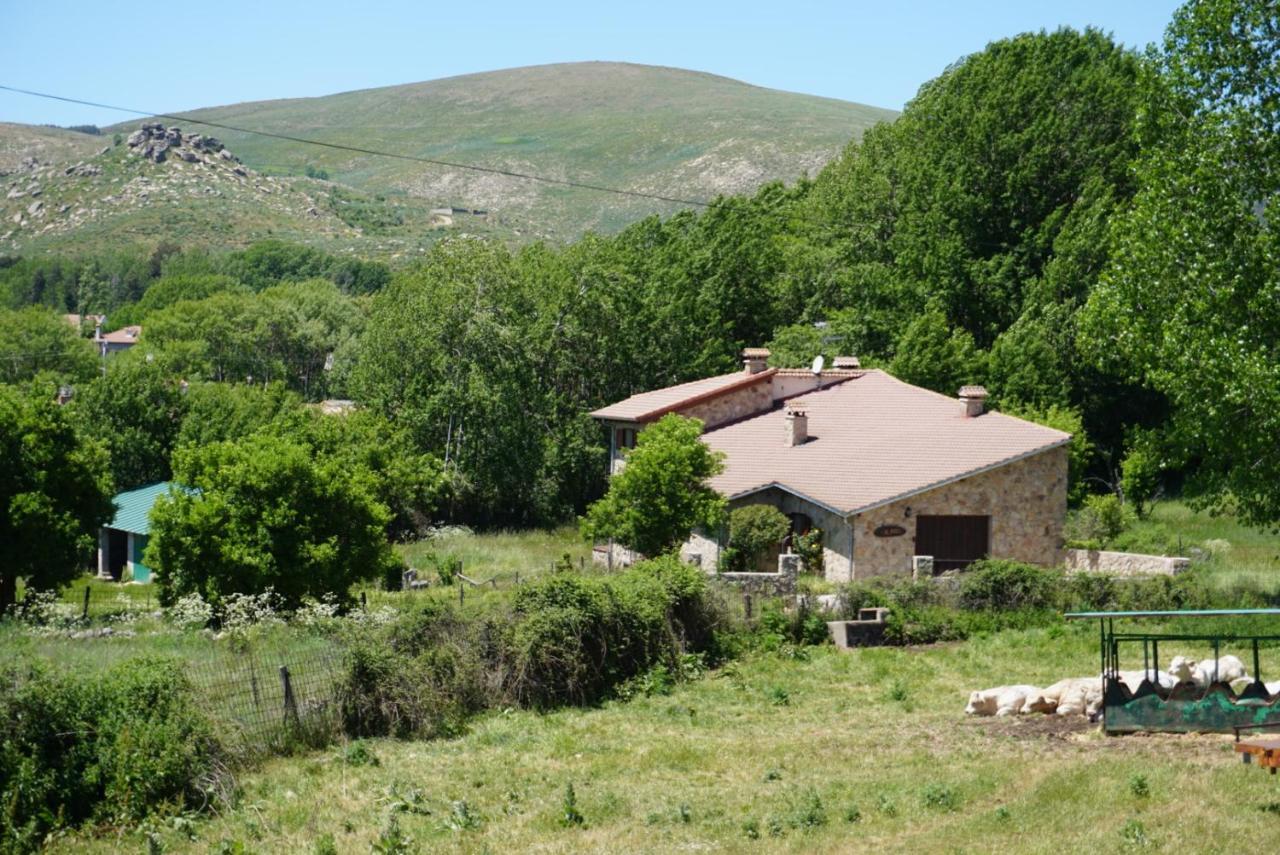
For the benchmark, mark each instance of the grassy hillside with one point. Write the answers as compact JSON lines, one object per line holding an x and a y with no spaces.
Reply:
{"x":48,"y":145}
{"x":84,"y":201}
{"x":660,"y":130}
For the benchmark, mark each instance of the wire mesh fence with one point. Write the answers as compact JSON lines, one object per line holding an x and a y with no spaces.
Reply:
{"x":267,"y":700}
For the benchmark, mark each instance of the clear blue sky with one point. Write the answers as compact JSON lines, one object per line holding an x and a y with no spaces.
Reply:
{"x":171,"y":56}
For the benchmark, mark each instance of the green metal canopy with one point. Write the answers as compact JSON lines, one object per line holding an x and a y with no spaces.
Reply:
{"x":1173,"y":614}
{"x":133,"y":508}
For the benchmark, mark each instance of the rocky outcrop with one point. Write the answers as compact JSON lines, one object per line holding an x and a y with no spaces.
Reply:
{"x":154,"y":142}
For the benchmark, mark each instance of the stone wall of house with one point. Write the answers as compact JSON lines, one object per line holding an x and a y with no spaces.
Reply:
{"x":1026,"y":500}
{"x":1123,"y":563}
{"x":702,"y":549}
{"x":739,"y":403}
{"x":837,"y":537}
{"x":788,"y":383}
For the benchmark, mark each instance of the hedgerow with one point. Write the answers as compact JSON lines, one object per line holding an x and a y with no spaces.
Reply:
{"x":109,"y":749}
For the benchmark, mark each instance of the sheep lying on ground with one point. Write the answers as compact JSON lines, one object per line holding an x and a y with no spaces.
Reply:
{"x":1002,"y":700}
{"x":1083,"y":695}
{"x":1227,"y":669}
{"x":1075,"y":695}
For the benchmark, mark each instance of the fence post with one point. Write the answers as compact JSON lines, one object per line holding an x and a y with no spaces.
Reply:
{"x":364,"y":601}
{"x":746,"y":605}
{"x":85,"y":614}
{"x":517,"y":578}
{"x":582,"y":563}
{"x":462,"y":591}
{"x":290,"y":703}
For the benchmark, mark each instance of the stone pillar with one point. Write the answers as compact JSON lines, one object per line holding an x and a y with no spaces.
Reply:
{"x":104,"y":554}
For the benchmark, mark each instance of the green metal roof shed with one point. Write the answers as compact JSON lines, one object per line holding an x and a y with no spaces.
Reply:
{"x":133,"y":508}
{"x":122,"y":543}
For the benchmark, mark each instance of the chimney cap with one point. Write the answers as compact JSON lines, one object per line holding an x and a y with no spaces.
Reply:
{"x":755,"y":353}
{"x":845,"y":362}
{"x":796,"y":410}
{"x":973,"y":391}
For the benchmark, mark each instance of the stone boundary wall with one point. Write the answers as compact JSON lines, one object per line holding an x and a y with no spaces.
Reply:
{"x":1123,"y":563}
{"x":774,"y":584}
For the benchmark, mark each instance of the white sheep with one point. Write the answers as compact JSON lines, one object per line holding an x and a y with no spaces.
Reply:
{"x":1227,"y":669}
{"x":1133,"y":679}
{"x":1001,"y":701}
{"x":1072,"y":696}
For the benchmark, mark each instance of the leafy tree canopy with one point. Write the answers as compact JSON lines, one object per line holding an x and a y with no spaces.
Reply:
{"x":263,"y":513}
{"x":661,"y":495}
{"x":1189,"y":303}
{"x":55,"y":490}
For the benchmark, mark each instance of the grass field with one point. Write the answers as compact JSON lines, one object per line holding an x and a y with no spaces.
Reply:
{"x":808,"y":749}
{"x":837,"y":752}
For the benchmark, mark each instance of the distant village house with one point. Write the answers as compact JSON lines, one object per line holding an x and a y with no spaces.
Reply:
{"x":896,"y":477}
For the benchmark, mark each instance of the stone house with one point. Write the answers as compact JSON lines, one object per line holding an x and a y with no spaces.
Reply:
{"x":897,"y":478}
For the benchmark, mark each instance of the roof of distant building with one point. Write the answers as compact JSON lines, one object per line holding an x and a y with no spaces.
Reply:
{"x":133,"y":508}
{"x":647,"y":406}
{"x":124,"y":335}
{"x":872,"y":440}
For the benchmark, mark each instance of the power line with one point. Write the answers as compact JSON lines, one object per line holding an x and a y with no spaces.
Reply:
{"x":491,"y":170}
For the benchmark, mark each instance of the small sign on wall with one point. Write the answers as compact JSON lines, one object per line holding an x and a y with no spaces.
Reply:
{"x":889,"y":530}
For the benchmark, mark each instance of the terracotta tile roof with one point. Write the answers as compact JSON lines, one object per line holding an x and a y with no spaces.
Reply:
{"x":873,"y":439}
{"x":651,"y":405}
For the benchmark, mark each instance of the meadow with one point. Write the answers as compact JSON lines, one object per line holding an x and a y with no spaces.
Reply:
{"x":785,"y":748}
{"x":811,"y":750}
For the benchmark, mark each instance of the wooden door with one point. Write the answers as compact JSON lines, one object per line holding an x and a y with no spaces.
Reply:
{"x":954,"y":541}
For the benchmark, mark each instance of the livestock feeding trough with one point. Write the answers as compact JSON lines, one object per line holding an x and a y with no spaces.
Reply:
{"x":1186,"y":708}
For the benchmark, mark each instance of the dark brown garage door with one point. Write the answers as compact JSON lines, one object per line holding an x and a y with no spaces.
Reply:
{"x":953,"y":541}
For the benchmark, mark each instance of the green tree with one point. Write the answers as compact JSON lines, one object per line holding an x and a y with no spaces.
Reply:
{"x":137,"y":410}
{"x":35,"y":341}
{"x":661,"y":494}
{"x":1080,"y":452}
{"x":55,"y":491}
{"x":409,"y":482}
{"x":168,"y":290}
{"x":1188,"y":304}
{"x":933,"y":354}
{"x":263,"y":513}
{"x":754,"y":530}
{"x":217,"y":412}
{"x":448,"y":355}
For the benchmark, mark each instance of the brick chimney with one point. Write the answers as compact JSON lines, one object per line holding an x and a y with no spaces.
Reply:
{"x":796,"y":423}
{"x":974,"y":399}
{"x":755,"y":359}
{"x":845,"y":363}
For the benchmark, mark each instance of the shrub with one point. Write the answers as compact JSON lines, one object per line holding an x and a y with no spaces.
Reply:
{"x":110,"y":748}
{"x":563,"y":639}
{"x":1102,"y":519}
{"x":801,"y":625}
{"x":998,"y":584}
{"x":809,"y":547}
{"x":754,"y":530}
{"x":570,"y":816}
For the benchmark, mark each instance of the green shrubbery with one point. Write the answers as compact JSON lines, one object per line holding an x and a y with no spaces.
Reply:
{"x":563,"y":639}
{"x":998,"y":594}
{"x":754,"y":530}
{"x":111,"y":748}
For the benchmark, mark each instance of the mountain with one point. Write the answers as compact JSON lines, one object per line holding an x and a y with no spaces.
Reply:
{"x":656,"y":130}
